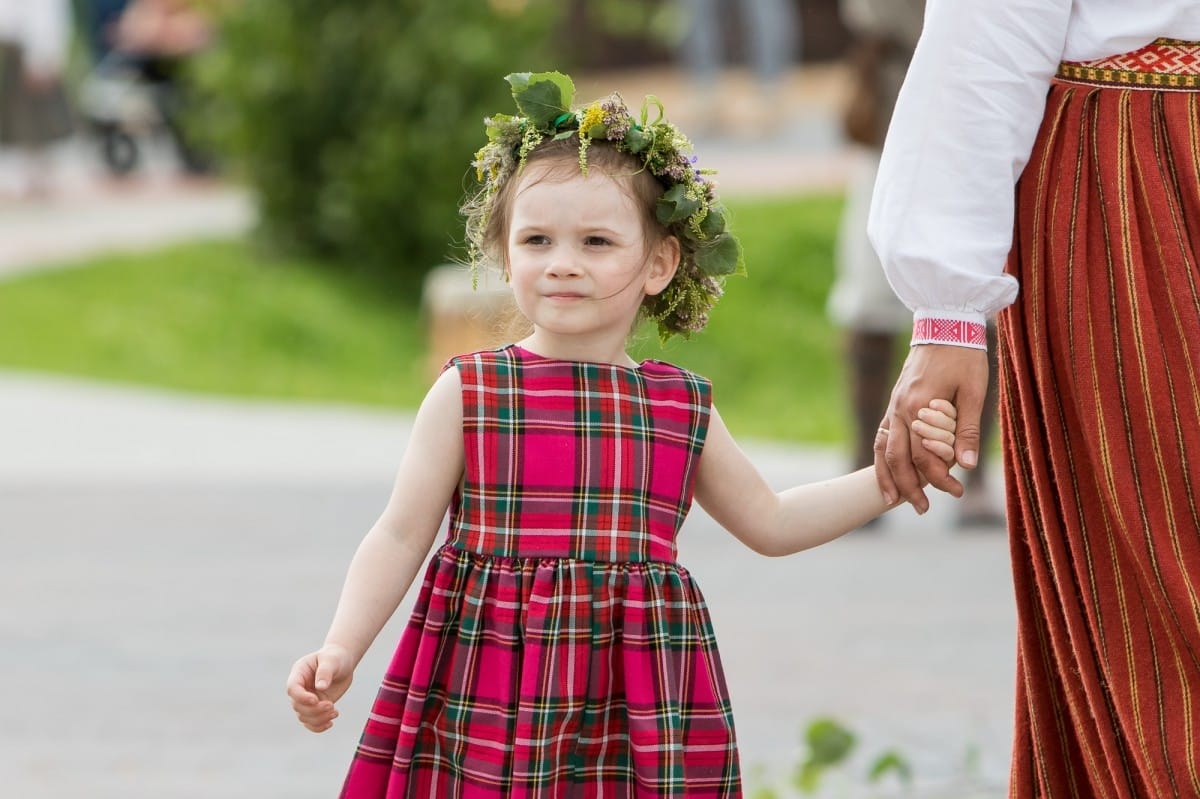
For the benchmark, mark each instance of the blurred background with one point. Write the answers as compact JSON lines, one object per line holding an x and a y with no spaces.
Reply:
{"x":328,"y":144}
{"x":228,"y":273}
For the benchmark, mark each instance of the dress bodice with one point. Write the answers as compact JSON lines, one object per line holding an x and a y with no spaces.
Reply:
{"x":572,"y":459}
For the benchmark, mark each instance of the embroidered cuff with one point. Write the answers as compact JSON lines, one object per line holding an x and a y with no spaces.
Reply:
{"x":948,"y":327}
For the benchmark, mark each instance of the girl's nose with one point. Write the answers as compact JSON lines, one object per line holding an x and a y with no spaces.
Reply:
{"x":562,"y":264}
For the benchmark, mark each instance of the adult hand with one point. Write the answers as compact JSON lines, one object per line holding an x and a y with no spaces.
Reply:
{"x":931,"y":371}
{"x":316,"y":682}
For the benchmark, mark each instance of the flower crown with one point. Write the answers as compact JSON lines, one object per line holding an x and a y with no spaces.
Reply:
{"x":688,"y":207}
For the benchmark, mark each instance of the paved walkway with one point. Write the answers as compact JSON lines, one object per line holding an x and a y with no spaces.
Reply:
{"x":167,"y":556}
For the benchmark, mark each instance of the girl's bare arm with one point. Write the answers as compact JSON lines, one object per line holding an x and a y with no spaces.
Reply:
{"x":389,"y":556}
{"x":386,"y":562}
{"x":734,"y":493}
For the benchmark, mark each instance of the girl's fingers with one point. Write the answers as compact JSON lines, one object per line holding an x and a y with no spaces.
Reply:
{"x":318,"y":719}
{"x":935,"y":420}
{"x":940,"y":449}
{"x":944,"y":406}
{"x":932,"y":431}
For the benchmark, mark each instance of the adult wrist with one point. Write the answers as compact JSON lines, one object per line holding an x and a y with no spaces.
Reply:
{"x":956,"y":328}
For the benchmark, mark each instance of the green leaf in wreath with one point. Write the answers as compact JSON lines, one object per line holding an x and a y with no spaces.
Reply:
{"x":675,"y":205}
{"x":637,"y":140}
{"x":725,"y":257}
{"x":542,"y":96}
{"x":713,"y":224}
{"x":499,"y":124}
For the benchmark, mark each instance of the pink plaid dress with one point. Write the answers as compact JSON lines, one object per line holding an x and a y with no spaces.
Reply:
{"x":556,"y":648}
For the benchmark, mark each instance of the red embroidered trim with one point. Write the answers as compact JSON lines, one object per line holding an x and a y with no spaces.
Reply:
{"x":949,"y":331}
{"x":1162,"y":64}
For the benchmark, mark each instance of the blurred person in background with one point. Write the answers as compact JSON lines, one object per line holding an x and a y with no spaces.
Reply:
{"x":885,"y":33}
{"x":159,"y":37}
{"x":34,"y":109}
{"x":769,"y":35}
{"x":98,"y":18}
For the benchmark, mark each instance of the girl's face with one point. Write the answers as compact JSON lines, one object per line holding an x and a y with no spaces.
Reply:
{"x":578,"y":256}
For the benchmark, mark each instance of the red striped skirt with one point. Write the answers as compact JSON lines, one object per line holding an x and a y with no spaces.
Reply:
{"x":1100,"y":377}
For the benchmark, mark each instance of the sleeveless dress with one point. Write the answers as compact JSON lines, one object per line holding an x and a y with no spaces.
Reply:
{"x":556,"y":648}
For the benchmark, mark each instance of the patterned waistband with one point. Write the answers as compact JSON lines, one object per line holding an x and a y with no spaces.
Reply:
{"x":1164,"y":64}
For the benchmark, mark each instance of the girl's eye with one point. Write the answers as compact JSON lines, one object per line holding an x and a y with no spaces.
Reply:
{"x":537,"y":239}
{"x":596,"y":241}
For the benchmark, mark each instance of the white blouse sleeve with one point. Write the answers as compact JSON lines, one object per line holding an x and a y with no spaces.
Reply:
{"x":943,"y":209}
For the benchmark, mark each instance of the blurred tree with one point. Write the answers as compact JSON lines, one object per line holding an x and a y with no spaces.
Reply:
{"x":355,"y":120}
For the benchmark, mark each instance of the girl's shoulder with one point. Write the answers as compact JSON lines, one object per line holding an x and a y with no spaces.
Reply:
{"x":655,"y":366}
{"x":667,"y":369}
{"x":483,"y":359}
{"x":675,"y":384}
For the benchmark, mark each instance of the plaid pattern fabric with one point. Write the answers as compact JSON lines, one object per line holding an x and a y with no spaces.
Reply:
{"x":556,"y":648}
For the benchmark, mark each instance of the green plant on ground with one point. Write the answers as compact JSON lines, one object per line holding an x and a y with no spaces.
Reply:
{"x":828,"y":768}
{"x":828,"y":747}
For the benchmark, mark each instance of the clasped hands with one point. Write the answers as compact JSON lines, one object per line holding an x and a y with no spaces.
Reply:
{"x":903,"y":463}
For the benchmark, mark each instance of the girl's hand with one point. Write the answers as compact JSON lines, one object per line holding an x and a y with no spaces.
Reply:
{"x":317,"y":681}
{"x":935,"y":424}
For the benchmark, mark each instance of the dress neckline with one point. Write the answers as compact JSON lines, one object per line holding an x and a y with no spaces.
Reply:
{"x":530,"y":354}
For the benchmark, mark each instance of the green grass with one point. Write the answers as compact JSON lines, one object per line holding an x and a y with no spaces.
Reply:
{"x":218,"y":317}
{"x":215,"y":317}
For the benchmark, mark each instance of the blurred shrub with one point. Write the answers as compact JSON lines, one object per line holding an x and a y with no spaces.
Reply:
{"x":355,"y":120}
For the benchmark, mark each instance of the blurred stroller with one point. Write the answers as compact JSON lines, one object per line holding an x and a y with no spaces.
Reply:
{"x":121,"y":108}
{"x":134,"y":91}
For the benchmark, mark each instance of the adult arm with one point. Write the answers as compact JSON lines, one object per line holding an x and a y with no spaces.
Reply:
{"x":387,"y":560}
{"x":943,"y":210}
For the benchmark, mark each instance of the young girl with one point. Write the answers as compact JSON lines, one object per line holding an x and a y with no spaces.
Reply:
{"x":557,"y":648}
